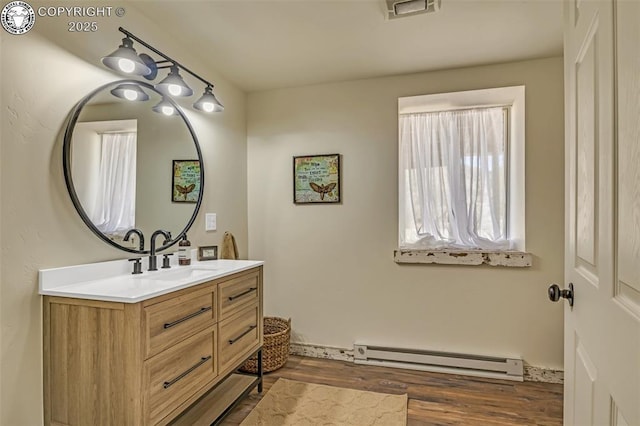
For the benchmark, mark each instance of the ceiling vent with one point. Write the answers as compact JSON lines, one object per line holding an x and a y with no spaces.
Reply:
{"x":401,"y":8}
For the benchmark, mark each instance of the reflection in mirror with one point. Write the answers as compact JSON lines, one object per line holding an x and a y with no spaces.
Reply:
{"x":120,"y":158}
{"x":103,"y":166}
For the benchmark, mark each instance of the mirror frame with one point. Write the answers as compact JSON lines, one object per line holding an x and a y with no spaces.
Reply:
{"x":66,"y":165}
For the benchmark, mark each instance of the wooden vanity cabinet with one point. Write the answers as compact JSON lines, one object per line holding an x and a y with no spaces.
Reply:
{"x":148,"y":363}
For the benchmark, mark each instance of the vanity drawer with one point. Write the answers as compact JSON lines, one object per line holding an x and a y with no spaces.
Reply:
{"x":177,"y":373}
{"x":238,"y":336}
{"x":238,"y":293}
{"x":169,"y":321}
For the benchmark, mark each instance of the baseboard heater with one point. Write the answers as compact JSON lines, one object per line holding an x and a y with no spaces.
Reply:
{"x":441,"y":362}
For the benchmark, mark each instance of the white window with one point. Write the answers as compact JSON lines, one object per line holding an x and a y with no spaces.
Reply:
{"x":114,"y":212}
{"x":104,"y":170}
{"x":461,"y":170}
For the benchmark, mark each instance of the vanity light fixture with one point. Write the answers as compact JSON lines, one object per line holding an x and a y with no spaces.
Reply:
{"x":174,"y":85}
{"x":208,"y":102}
{"x":165,"y":107}
{"x":126,"y":60}
{"x":130,"y":92}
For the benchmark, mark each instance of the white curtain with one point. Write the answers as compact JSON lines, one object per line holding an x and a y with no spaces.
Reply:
{"x":115,"y":208}
{"x":453,"y":180}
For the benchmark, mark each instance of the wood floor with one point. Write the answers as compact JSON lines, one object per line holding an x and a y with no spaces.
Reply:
{"x":434,"y":399}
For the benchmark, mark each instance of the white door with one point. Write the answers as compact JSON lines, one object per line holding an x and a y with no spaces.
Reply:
{"x":602,"y":228}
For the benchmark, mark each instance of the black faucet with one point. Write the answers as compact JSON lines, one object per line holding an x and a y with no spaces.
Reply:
{"x":153,"y":260}
{"x":137,"y":266}
{"x":137,"y":232}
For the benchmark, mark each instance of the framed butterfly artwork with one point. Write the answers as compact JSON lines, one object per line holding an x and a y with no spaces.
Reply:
{"x":316,"y":179}
{"x":185,"y":181}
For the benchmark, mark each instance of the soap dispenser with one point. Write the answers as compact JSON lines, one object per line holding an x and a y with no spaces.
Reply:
{"x":184,"y":251}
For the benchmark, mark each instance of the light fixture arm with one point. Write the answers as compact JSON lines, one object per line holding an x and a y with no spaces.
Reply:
{"x":168,"y":59}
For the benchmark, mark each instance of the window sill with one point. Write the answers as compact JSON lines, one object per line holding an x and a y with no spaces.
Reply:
{"x":514,"y":259}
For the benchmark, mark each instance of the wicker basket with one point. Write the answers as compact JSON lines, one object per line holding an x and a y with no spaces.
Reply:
{"x":275,"y":348}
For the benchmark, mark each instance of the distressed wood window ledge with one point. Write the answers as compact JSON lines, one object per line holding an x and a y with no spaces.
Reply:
{"x":515,"y":259}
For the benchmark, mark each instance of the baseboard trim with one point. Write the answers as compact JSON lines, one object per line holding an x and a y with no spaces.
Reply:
{"x":531,"y":373}
{"x":317,"y":351}
{"x":545,"y":375}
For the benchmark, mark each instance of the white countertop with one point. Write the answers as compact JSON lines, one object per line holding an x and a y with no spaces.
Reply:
{"x":113,"y":282}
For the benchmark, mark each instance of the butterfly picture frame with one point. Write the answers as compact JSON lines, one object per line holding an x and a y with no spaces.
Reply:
{"x":185,"y":181}
{"x":316,"y":179}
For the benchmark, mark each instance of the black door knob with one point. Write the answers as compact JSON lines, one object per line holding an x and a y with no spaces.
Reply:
{"x":555,"y":293}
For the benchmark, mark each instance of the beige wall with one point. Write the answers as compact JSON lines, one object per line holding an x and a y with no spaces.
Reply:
{"x":41,"y":82}
{"x":330,"y":267}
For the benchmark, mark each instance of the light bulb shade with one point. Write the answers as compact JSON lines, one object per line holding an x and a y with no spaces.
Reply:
{"x":165,"y":107}
{"x":208,"y":102}
{"x":130,"y":92}
{"x":174,"y":85}
{"x":125,"y":59}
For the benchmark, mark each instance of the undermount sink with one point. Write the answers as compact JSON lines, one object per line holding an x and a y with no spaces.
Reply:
{"x":113,"y":281}
{"x":190,"y":273}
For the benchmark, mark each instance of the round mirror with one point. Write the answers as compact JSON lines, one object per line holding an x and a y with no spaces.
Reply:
{"x":132,"y":162}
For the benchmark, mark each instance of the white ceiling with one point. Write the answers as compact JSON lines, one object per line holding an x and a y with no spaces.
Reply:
{"x":267,"y":44}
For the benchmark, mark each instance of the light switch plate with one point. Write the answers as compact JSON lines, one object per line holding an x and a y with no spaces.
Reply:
{"x":210,"y":222}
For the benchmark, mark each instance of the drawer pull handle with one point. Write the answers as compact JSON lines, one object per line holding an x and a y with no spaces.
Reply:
{"x":181,"y":376}
{"x":188,"y":317}
{"x":232,"y":341}
{"x":231,"y":298}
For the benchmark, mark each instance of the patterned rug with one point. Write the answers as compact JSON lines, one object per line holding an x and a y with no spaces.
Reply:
{"x":304,"y":404}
